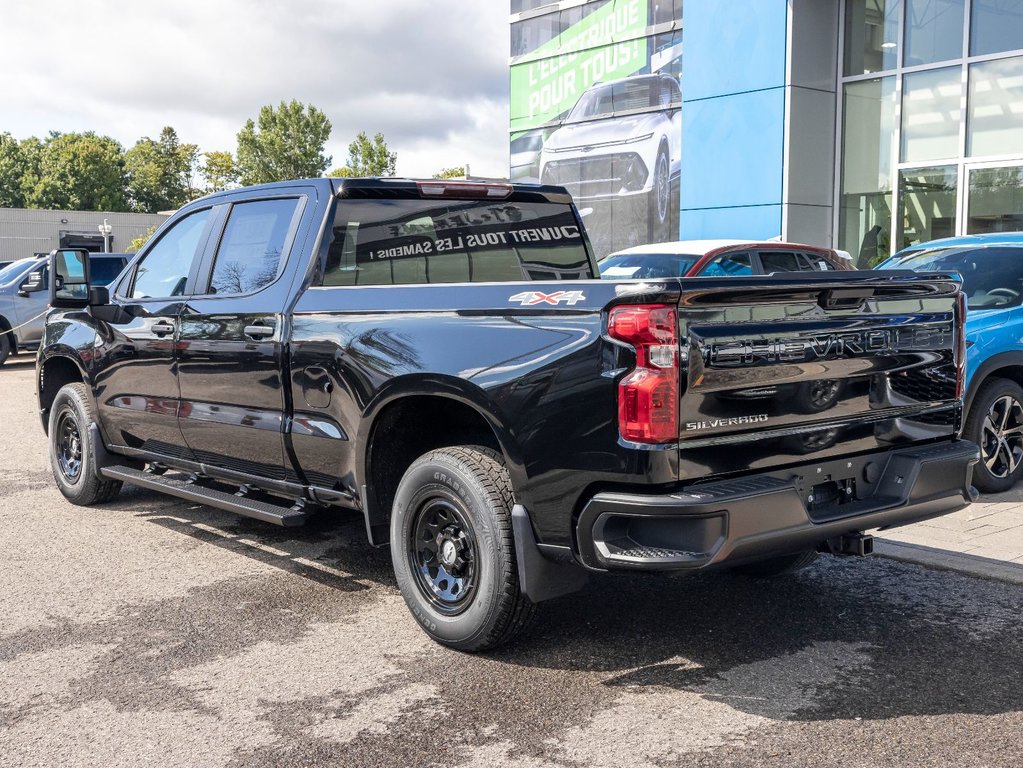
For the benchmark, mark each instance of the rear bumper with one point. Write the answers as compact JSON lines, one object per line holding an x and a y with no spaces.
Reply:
{"x":749,"y":518}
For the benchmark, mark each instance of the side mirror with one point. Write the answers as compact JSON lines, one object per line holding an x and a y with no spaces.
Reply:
{"x":35,"y":282}
{"x":69,"y":288}
{"x":99,"y":295}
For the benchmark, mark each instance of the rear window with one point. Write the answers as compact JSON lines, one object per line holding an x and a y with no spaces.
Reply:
{"x":788,"y":261}
{"x":411,"y":241}
{"x":645,"y":266}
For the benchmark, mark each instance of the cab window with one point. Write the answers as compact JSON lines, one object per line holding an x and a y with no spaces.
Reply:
{"x":249,"y":256}
{"x":728,"y":265}
{"x":163,"y":271}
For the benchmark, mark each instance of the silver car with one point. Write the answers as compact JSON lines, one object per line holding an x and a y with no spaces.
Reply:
{"x":24,"y":298}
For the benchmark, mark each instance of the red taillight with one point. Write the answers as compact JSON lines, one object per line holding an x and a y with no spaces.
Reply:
{"x":961,"y":345}
{"x":648,"y":396}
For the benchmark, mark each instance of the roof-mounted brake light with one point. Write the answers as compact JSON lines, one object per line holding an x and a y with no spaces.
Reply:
{"x":463,"y":189}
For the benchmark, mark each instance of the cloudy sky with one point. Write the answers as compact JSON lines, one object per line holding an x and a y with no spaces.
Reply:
{"x":431,"y":75}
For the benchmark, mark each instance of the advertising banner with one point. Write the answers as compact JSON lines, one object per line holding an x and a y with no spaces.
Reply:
{"x":596,"y":108}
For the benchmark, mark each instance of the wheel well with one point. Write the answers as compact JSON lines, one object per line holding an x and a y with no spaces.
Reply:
{"x":1010,"y":372}
{"x":5,"y":327}
{"x":404,"y":431}
{"x":56,"y":372}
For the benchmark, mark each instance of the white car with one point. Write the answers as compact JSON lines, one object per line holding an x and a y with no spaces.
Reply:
{"x":613,"y":145}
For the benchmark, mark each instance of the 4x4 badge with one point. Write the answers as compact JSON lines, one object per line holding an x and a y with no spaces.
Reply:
{"x":530,"y":298}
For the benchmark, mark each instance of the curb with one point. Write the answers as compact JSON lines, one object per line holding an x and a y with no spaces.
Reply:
{"x":948,"y":560}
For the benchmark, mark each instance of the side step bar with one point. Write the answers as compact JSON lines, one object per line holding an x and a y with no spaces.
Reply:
{"x":260,"y":510}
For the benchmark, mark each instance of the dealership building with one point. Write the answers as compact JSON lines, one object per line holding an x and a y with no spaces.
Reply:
{"x":866,"y":125}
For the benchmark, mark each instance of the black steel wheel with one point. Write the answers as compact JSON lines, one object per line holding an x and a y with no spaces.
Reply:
{"x":72,"y":450}
{"x":69,"y":444}
{"x":452,"y":548}
{"x":442,"y":554}
{"x":995,"y":423}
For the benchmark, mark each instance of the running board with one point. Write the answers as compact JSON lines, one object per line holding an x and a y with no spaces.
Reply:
{"x":240,"y":505}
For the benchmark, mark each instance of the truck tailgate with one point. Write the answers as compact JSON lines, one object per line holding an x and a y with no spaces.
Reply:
{"x":776,"y":371}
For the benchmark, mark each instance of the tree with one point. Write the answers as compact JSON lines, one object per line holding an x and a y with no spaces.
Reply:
{"x":458,"y":172}
{"x":159,"y":173}
{"x":368,"y":158}
{"x":287,"y":143}
{"x":12,"y":169}
{"x":219,"y":171}
{"x":136,"y":244}
{"x":80,"y":171}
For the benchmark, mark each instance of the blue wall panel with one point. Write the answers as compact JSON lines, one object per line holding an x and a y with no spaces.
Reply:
{"x":758,"y":222}
{"x":733,"y":118}
{"x":732,"y":150}
{"x":732,"y":46}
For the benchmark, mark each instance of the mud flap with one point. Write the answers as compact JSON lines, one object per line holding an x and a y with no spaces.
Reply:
{"x":541,"y":578}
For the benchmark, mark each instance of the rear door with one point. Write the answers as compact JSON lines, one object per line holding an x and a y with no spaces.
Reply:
{"x":778,"y":372}
{"x":230,"y":344}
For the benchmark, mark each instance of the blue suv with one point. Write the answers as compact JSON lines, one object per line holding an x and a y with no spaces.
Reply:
{"x":992,"y":270}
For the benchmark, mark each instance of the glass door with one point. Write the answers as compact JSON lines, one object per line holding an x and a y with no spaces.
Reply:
{"x":994,"y":198}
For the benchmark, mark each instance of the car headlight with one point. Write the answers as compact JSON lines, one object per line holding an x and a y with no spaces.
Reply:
{"x":636,"y":139}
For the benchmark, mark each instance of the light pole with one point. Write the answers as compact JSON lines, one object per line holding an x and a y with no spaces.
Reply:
{"x":105,"y":229}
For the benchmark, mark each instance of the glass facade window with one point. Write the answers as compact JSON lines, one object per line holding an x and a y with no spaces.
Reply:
{"x":930,"y":114}
{"x":928,"y":203}
{"x":934,"y":31}
{"x":868,"y":128}
{"x":996,"y":26}
{"x":996,"y":200}
{"x":995,"y":125}
{"x":871,"y":36}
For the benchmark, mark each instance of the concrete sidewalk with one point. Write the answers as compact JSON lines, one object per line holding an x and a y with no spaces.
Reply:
{"x":985,"y":539}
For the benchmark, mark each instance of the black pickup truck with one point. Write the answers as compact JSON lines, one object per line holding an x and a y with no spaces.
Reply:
{"x":440,"y":358}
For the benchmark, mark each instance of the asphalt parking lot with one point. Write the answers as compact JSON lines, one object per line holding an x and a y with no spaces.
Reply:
{"x":154,"y":632}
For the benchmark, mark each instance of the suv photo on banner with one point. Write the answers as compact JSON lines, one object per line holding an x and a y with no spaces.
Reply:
{"x":596,"y":108}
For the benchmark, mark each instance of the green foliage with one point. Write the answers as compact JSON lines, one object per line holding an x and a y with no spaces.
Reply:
{"x":79,"y":171}
{"x":368,"y":158}
{"x":219,"y":171}
{"x":138,"y":242}
{"x":12,"y":168}
{"x":286,"y":143}
{"x":159,"y":173}
{"x":458,"y":172}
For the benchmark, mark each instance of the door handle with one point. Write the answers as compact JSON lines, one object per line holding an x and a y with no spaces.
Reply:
{"x":162,"y":328}
{"x":259,"y":331}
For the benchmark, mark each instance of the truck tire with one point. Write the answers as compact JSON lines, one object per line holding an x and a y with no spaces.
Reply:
{"x":72,"y":453}
{"x":776,"y":566}
{"x":5,"y":347}
{"x":453,"y":551}
{"x":995,"y":423}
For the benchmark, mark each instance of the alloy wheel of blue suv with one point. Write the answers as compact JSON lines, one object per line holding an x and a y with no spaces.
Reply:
{"x":992,"y":270}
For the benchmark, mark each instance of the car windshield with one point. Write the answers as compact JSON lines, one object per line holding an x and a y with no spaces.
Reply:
{"x":992,"y":276}
{"x":14,"y":269}
{"x":605,"y":100}
{"x":646,"y":265}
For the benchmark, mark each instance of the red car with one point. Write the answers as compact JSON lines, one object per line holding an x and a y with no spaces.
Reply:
{"x":719,"y":258}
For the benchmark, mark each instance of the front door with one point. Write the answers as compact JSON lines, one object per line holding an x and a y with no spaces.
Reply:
{"x":230,"y":345}
{"x":137,"y":392}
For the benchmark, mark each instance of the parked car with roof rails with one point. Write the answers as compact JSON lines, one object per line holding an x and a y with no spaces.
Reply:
{"x":719,"y":258}
{"x":23,"y":298}
{"x":991,"y":266}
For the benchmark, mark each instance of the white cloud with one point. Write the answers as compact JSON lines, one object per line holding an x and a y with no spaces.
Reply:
{"x":432,"y":76}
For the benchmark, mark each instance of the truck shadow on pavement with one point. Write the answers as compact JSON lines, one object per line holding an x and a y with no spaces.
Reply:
{"x":850,"y":639}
